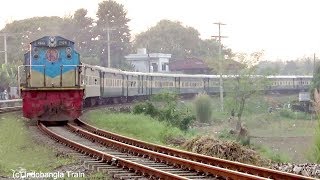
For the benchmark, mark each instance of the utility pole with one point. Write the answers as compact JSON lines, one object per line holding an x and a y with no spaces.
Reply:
{"x":108,"y":39}
{"x":314,"y":64}
{"x":220,"y":63}
{"x":5,"y":35}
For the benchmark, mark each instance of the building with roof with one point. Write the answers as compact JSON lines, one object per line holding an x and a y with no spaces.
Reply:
{"x":189,"y":66}
{"x":149,"y":62}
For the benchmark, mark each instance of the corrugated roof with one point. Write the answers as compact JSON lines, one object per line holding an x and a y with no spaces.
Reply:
{"x":187,"y":64}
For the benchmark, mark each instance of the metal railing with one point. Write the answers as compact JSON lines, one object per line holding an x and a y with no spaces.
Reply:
{"x":28,"y":76}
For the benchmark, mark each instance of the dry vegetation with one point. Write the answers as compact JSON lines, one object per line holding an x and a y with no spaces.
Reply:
{"x":229,"y":150}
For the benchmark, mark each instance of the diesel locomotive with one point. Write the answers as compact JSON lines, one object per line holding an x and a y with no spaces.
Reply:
{"x":50,"y":80}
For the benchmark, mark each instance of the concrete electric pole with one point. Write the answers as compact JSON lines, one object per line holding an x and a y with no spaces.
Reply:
{"x":5,"y":35}
{"x":314,"y":64}
{"x":108,"y":39}
{"x":220,"y":63}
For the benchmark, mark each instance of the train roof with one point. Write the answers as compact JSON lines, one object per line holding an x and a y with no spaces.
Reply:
{"x":289,"y":77}
{"x":52,"y":41}
{"x":105,"y":69}
{"x":132,"y":73}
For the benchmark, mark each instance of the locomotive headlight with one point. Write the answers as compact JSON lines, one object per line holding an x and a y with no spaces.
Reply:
{"x":68,"y":52}
{"x":35,"y":53}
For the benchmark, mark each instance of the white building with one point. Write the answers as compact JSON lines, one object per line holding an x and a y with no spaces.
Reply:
{"x":152,"y":62}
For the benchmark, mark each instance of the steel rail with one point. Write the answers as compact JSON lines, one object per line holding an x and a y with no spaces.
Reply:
{"x":145,"y":170}
{"x":237,"y":166}
{"x":10,"y":109}
{"x":188,"y":164}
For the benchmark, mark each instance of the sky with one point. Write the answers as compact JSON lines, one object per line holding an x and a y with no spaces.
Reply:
{"x":285,"y":29}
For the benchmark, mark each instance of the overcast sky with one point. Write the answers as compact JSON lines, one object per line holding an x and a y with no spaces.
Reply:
{"x":284,"y":29}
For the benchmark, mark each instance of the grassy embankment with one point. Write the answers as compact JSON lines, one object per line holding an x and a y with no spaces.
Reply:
{"x":135,"y":125}
{"x":18,"y":150}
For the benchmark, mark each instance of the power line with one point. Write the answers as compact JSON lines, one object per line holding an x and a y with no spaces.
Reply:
{"x":220,"y":62}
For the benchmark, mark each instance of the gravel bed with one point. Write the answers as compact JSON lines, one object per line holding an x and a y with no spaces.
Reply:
{"x":307,"y":169}
{"x":61,"y":151}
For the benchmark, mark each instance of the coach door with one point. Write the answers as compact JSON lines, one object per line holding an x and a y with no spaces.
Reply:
{"x":139,"y":85}
{"x":206,"y":87}
{"x":123,"y":84}
{"x":177,"y":84}
{"x":102,"y":74}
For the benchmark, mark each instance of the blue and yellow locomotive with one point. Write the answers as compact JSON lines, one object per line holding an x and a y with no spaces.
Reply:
{"x":50,"y":80}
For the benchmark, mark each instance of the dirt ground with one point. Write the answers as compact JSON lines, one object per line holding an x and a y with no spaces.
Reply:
{"x":294,"y":143}
{"x":296,"y":148}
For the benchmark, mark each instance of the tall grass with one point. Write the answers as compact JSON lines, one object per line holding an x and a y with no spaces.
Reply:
{"x":203,"y":108}
{"x":316,"y":149}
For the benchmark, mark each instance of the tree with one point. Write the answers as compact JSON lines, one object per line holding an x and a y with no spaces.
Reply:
{"x":269,"y":68}
{"x":24,"y":31}
{"x":316,"y":81}
{"x":79,"y":29}
{"x":174,"y":38}
{"x":8,"y":76}
{"x":170,"y":37}
{"x":113,"y":16}
{"x":245,"y":84}
{"x":290,"y":68}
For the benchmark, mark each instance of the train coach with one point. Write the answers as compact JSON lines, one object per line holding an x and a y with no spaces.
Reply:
{"x":55,"y":85}
{"x":105,"y":85}
{"x":289,"y":83}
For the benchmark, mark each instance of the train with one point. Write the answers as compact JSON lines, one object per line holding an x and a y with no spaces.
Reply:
{"x":55,"y":85}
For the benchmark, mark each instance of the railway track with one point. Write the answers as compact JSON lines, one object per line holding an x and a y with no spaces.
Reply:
{"x":10,"y":109}
{"x":136,"y":159}
{"x":128,"y":158}
{"x":10,"y":105}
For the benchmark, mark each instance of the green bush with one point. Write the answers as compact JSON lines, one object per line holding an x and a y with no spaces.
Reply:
{"x":164,"y":107}
{"x":203,"y":108}
{"x":186,"y":121}
{"x":146,"y":108}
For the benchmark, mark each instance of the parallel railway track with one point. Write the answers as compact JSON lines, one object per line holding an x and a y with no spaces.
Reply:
{"x":141,"y":159}
{"x":10,"y":105}
{"x":131,"y":158}
{"x":10,"y":109}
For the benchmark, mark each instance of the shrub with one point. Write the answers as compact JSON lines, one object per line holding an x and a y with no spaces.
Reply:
{"x":203,"y":108}
{"x":186,"y":121}
{"x":164,"y":107}
{"x":145,"y":108}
